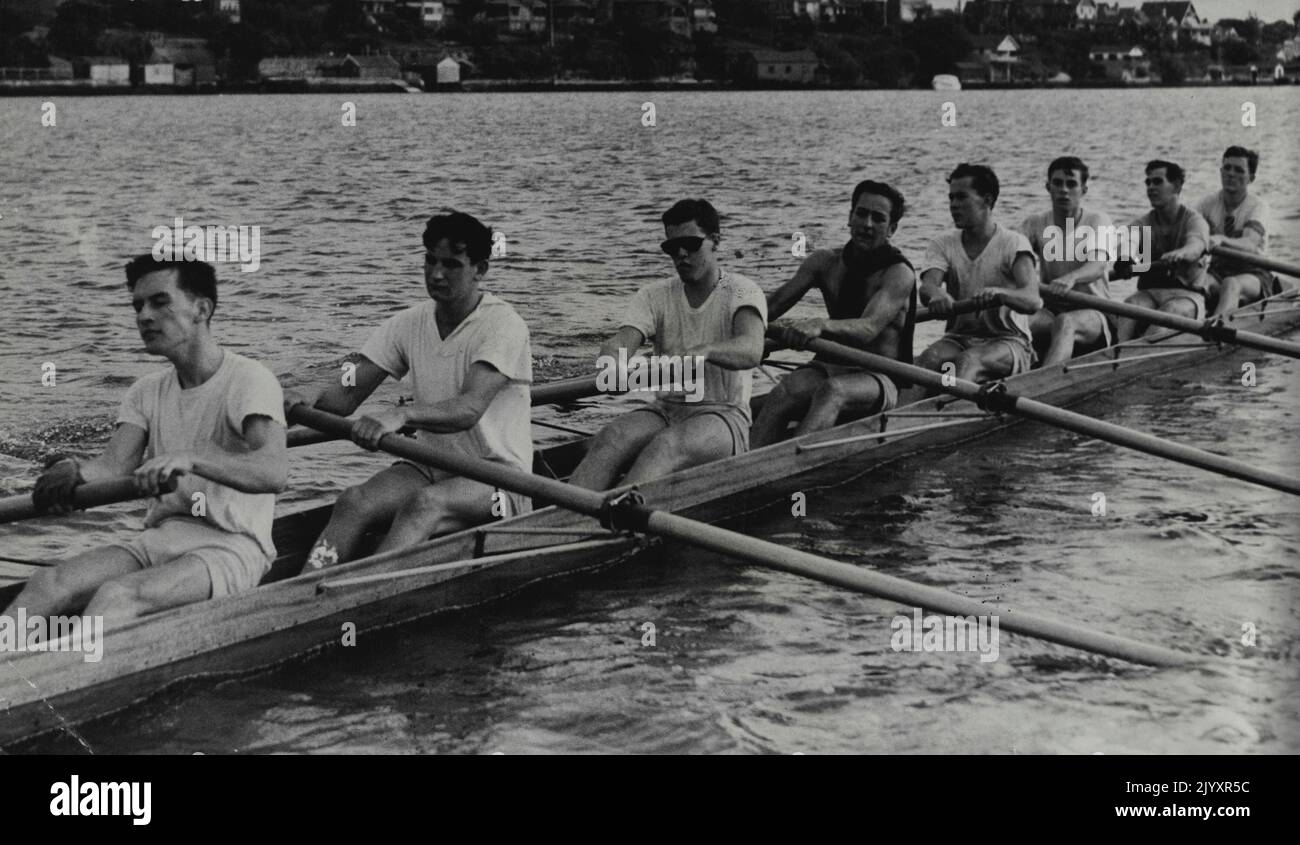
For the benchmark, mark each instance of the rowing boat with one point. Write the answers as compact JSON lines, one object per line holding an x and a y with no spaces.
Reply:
{"x":290,"y":615}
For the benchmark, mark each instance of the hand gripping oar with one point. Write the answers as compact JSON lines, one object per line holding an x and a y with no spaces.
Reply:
{"x":994,"y":397}
{"x":1262,"y":261}
{"x":89,"y":495}
{"x":1212,"y":330}
{"x":625,"y":513}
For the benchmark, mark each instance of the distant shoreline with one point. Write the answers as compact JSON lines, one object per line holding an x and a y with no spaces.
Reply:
{"x":85,"y":88}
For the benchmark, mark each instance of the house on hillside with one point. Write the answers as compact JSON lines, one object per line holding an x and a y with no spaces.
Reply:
{"x":1120,"y":63}
{"x":518,"y":15}
{"x":1179,"y":21}
{"x":192,"y":62}
{"x":1057,"y":14}
{"x":1000,"y":54}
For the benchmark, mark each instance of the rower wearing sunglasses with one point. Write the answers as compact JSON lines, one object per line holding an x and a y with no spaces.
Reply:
{"x":468,"y":357}
{"x":870,"y":293}
{"x":705,"y":315}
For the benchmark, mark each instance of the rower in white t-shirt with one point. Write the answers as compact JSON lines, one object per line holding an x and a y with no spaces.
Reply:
{"x":468,"y":357}
{"x":707,"y":314}
{"x":212,"y":424}
{"x":1240,"y":220}
{"x":989,"y":264}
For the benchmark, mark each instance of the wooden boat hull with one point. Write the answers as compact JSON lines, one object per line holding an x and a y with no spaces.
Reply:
{"x":292,"y":616}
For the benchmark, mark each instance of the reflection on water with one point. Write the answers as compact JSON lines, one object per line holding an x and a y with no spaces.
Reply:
{"x":744,"y":660}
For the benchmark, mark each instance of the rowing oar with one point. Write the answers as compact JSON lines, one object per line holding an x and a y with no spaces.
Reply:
{"x":1212,"y":330}
{"x":89,"y":495}
{"x":625,"y":514}
{"x":1262,"y":261}
{"x":996,"y":398}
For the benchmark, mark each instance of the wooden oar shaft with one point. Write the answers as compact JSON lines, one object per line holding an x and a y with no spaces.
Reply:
{"x":89,"y":495}
{"x":1069,"y":420}
{"x":884,"y":586}
{"x":732,"y":545}
{"x":1210,"y":331}
{"x":1262,"y":261}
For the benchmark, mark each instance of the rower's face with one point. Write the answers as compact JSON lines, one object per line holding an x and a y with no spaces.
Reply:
{"x":869,"y":221}
{"x":1234,"y":174}
{"x":166,"y":316}
{"x":450,"y":276}
{"x":967,"y":207}
{"x":691,"y":250}
{"x":1066,"y":189}
{"x":1159,"y":189}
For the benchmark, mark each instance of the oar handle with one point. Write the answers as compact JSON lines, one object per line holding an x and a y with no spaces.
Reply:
{"x":1261,"y":261}
{"x":963,"y":306}
{"x":89,"y":495}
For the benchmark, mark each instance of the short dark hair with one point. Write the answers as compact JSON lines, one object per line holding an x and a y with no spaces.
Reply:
{"x":896,"y":204}
{"x":1069,"y":163}
{"x":1173,"y":172}
{"x":196,"y":278}
{"x":982,"y":179}
{"x":1251,"y":157}
{"x":462,"y":233}
{"x":700,"y":212}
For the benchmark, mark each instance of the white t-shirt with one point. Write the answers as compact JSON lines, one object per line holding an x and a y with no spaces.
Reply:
{"x":195,"y":420}
{"x":661,"y":312}
{"x":1098,"y":223}
{"x":965,"y":276}
{"x":1253,"y":213}
{"x":408,"y":342}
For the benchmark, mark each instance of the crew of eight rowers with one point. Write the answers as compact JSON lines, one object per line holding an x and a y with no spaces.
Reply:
{"x":213,"y":423}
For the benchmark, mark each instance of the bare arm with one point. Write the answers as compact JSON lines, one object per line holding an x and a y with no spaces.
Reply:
{"x":120,"y":457}
{"x":1251,"y":240}
{"x":339,"y":397}
{"x":264,"y":468}
{"x":741,"y":351}
{"x":458,"y":413}
{"x":1023,"y":294}
{"x":807,"y":277}
{"x":893,"y":296}
{"x":627,"y":337}
{"x":934,"y":294}
{"x":1080,"y":276}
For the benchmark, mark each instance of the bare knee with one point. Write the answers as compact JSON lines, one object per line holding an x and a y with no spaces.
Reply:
{"x":356,"y":504}
{"x":113,"y":595}
{"x":831,"y":394}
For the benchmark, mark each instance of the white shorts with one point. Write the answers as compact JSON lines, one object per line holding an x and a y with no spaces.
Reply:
{"x":235,"y":562}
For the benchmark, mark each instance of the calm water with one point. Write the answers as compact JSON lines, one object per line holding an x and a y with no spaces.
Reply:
{"x":745,"y":660}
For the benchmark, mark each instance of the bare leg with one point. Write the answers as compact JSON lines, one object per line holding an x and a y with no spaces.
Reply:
{"x":788,"y":402}
{"x":933,"y":358}
{"x":986,"y":362}
{"x":615,"y":447}
{"x":1179,"y":307}
{"x":183,"y":581}
{"x":1127,"y":328}
{"x":696,"y":441}
{"x":440,"y":508}
{"x":1073,"y":327}
{"x":846,"y":393}
{"x":361,"y":509}
{"x":70,"y":585}
{"x":1236,"y":291}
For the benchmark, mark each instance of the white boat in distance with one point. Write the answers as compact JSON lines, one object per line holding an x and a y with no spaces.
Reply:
{"x":945,"y":82}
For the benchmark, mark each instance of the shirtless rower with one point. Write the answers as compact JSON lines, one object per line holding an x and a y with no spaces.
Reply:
{"x":213,"y":423}
{"x":870,"y":293}
{"x":468,"y":357}
{"x":987,"y":263}
{"x":1177,"y":236}
{"x":1058,"y":236}
{"x":705,"y":311}
{"x":1238,"y":219}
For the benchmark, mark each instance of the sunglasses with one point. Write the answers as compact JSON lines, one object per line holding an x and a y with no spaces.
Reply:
{"x":447,"y":263}
{"x":673,"y":245}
